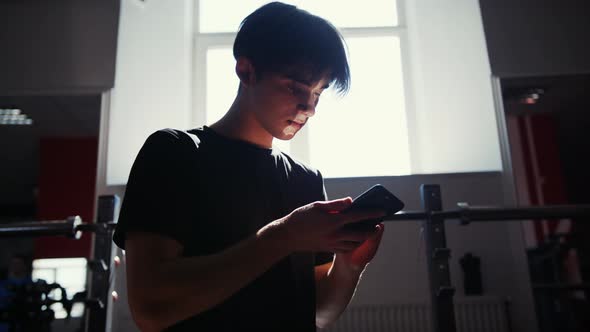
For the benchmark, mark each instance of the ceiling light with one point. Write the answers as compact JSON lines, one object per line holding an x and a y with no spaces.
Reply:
{"x":531,"y":96}
{"x":14,"y":117}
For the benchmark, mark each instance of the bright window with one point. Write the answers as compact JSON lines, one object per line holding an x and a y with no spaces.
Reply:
{"x":362,"y":134}
{"x":70,"y":273}
{"x":214,"y":15}
{"x":222,"y":82}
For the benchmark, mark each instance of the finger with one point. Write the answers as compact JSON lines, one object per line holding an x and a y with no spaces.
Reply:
{"x":376,"y":237}
{"x":380,"y":229}
{"x":354,"y":236}
{"x":336,"y":205}
{"x":341,"y":251}
{"x":356,"y":216}
{"x":379,"y":232}
{"x":346,"y":246}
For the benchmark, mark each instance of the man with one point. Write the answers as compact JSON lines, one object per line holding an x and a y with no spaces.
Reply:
{"x":221,"y":230}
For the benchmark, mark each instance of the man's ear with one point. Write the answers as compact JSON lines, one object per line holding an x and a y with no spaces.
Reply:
{"x":245,"y":71}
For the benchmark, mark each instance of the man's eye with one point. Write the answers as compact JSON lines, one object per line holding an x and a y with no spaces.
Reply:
{"x":295,"y":90}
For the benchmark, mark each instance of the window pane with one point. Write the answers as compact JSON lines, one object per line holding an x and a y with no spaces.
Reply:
{"x":365,"y":132}
{"x":70,"y":273}
{"x":222,"y":87}
{"x":45,"y":274}
{"x":222,"y":82}
{"x":361,"y":134}
{"x":284,"y":146}
{"x":226,"y":15}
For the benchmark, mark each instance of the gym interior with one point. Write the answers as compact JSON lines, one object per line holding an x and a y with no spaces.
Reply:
{"x":482,"y":106}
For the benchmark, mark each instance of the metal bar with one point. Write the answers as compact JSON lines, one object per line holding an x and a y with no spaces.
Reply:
{"x":407,"y":215}
{"x":468,"y":214}
{"x":437,"y":258}
{"x":99,"y":319}
{"x":66,"y":227}
{"x":96,"y":228}
{"x":560,"y":286}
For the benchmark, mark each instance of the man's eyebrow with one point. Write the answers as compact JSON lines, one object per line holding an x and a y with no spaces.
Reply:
{"x":298,"y":78}
{"x":302,"y":80}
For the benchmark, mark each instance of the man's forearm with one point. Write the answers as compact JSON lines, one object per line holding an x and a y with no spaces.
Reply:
{"x":335,"y":288}
{"x":182,"y":287}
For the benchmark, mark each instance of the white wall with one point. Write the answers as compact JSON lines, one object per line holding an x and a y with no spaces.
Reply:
{"x":455,"y":125}
{"x":152,"y":79}
{"x":454,"y":110}
{"x":399,"y":274}
{"x":152,"y":91}
{"x":453,"y":119}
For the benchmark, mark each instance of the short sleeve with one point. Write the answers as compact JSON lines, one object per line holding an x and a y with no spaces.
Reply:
{"x":157,"y":192}
{"x":323,"y":257}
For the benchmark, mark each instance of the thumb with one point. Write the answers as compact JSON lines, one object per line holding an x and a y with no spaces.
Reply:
{"x":379,"y":230}
{"x":336,"y":205}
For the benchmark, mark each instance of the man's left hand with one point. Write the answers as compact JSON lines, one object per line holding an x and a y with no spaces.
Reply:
{"x":357,"y":259}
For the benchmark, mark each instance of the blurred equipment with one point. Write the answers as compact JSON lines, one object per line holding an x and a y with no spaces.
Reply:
{"x":28,"y":306}
{"x":26,"y":303}
{"x":472,"y":282}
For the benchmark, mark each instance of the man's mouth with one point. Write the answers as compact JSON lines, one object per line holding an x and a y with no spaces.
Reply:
{"x":300,"y":119}
{"x":292,"y":128}
{"x":291,"y":122}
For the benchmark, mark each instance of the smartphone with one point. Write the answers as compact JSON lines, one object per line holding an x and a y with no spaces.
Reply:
{"x":376,"y":197}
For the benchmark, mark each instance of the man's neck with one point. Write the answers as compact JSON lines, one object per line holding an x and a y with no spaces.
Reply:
{"x":239,"y":123}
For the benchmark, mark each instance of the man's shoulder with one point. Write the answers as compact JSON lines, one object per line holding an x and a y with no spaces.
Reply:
{"x":168,"y":146}
{"x":176,"y":136}
{"x":297,"y":166}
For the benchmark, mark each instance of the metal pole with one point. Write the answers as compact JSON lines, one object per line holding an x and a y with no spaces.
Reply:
{"x":407,"y":215}
{"x":437,"y":258}
{"x":66,"y":227}
{"x":468,"y":213}
{"x":99,"y":318}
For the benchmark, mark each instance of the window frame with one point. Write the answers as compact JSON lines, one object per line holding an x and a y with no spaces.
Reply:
{"x":202,"y":42}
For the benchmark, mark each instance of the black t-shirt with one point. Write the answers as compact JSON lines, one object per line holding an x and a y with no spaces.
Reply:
{"x":208,"y":192}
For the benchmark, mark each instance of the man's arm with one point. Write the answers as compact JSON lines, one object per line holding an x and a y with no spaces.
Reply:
{"x":335,"y":287}
{"x":336,"y":282}
{"x":165,"y":288}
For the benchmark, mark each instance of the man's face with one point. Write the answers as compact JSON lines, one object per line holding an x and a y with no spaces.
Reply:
{"x":284,"y":102}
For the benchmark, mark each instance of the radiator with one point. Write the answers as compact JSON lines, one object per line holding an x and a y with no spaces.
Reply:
{"x":481,"y":314}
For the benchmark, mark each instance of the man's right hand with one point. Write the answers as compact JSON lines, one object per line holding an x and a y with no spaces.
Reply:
{"x":318,"y":226}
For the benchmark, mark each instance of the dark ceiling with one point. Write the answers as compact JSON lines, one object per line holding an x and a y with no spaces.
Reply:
{"x":566,"y":104}
{"x":560,"y":94}
{"x":53,"y":116}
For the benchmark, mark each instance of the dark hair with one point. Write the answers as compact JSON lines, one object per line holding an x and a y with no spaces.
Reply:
{"x":280,"y":38}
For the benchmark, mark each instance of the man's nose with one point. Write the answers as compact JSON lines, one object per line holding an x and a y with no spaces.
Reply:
{"x":308,"y":106}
